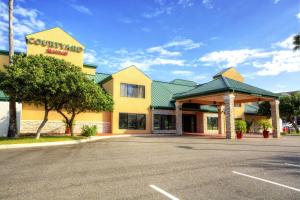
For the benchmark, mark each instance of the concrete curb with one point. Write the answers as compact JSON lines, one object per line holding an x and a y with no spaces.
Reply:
{"x":59,"y":143}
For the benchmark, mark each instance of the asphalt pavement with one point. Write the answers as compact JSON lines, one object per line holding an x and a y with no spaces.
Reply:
{"x":155,"y":168}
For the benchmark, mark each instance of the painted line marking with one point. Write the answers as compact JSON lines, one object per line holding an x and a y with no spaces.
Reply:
{"x":290,"y":164}
{"x":170,"y":196}
{"x":267,"y":181}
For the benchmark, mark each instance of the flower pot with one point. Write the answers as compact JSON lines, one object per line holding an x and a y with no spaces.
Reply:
{"x":239,"y":135}
{"x":68,"y":131}
{"x":266,"y":134}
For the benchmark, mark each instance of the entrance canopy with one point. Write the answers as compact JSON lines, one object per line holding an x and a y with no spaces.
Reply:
{"x":225,"y":92}
{"x":212,"y":93}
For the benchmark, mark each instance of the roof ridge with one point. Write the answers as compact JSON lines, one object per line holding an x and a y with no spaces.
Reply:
{"x":174,"y":83}
{"x":225,"y":81}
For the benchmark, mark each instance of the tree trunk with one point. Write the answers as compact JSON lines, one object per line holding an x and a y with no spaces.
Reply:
{"x":71,"y":124}
{"x":12,"y":127}
{"x":38,"y":132}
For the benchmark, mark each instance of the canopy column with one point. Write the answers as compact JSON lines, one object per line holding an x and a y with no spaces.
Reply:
{"x":220,"y":119}
{"x":275,"y":118}
{"x":178,"y":118}
{"x":229,"y":114}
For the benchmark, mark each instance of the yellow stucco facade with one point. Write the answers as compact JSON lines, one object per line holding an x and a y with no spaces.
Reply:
{"x":130,"y":75}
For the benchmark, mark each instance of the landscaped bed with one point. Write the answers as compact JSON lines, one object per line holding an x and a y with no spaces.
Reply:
{"x":31,"y":139}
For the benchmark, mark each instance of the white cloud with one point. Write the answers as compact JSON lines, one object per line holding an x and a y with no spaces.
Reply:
{"x":26,"y":20}
{"x":162,"y":61}
{"x":231,"y":58}
{"x":146,"y":64}
{"x":162,"y":51}
{"x":186,"y":44}
{"x":167,"y":7}
{"x":182,"y":72}
{"x":281,"y":61}
{"x":90,"y":56}
{"x":267,"y":62}
{"x":276,"y":1}
{"x":208,"y":4}
{"x":185,"y":3}
{"x":81,"y":8}
{"x":285,"y":44}
{"x":298,"y":15}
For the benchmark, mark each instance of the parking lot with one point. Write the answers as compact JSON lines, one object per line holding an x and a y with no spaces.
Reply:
{"x":155,"y":168}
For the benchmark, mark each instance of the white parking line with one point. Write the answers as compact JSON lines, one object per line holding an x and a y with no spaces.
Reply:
{"x":163,"y":192}
{"x":267,"y":181}
{"x":292,"y":165}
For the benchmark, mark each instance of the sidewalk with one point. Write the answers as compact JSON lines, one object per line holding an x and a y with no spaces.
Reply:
{"x":46,"y":144}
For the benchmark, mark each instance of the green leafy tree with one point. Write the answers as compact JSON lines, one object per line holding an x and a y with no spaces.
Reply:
{"x":264,"y":108}
{"x":37,"y":80}
{"x":290,"y":108}
{"x":81,"y":95}
{"x":296,"y":42}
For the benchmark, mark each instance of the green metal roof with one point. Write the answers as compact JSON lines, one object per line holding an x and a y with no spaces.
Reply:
{"x":223,"y":84}
{"x":184,"y":82}
{"x":162,"y":93}
{"x":99,"y":77}
{"x":90,"y":65}
{"x":3,"y":97}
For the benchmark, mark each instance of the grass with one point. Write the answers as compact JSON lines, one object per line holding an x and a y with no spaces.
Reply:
{"x":291,"y":133}
{"x":31,"y":139}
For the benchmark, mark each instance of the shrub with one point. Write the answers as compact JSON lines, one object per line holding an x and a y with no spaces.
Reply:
{"x":265,"y":124}
{"x":241,"y":126}
{"x":89,"y":130}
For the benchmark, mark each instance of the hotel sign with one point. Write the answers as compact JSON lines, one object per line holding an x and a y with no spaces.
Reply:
{"x":55,"y":47}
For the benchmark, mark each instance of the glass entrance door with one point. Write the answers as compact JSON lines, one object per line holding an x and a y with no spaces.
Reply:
{"x":189,"y":123}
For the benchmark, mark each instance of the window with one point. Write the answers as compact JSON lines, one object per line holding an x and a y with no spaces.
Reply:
{"x":164,"y":122}
{"x":130,"y":90}
{"x":212,"y":123}
{"x":132,"y":121}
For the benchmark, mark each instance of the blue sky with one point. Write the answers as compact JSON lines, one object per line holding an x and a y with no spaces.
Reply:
{"x":167,"y":39}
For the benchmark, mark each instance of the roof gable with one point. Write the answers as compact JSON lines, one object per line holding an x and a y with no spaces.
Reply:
{"x":231,"y":73}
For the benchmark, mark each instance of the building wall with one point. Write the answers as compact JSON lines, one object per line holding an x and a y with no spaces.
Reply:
{"x":33,"y":115}
{"x":233,"y":74}
{"x":3,"y":61}
{"x":4,"y":117}
{"x":88,"y":70}
{"x":239,"y":112}
{"x":130,"y":75}
{"x":56,"y":35}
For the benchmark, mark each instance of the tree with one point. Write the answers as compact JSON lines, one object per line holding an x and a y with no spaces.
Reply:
{"x":12,"y":127}
{"x":81,"y":95}
{"x":296,"y":42}
{"x":264,"y":108}
{"x":37,"y":80}
{"x":290,"y":108}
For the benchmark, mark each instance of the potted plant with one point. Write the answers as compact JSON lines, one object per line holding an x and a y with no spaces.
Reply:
{"x":265,"y":124}
{"x":240,"y":128}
